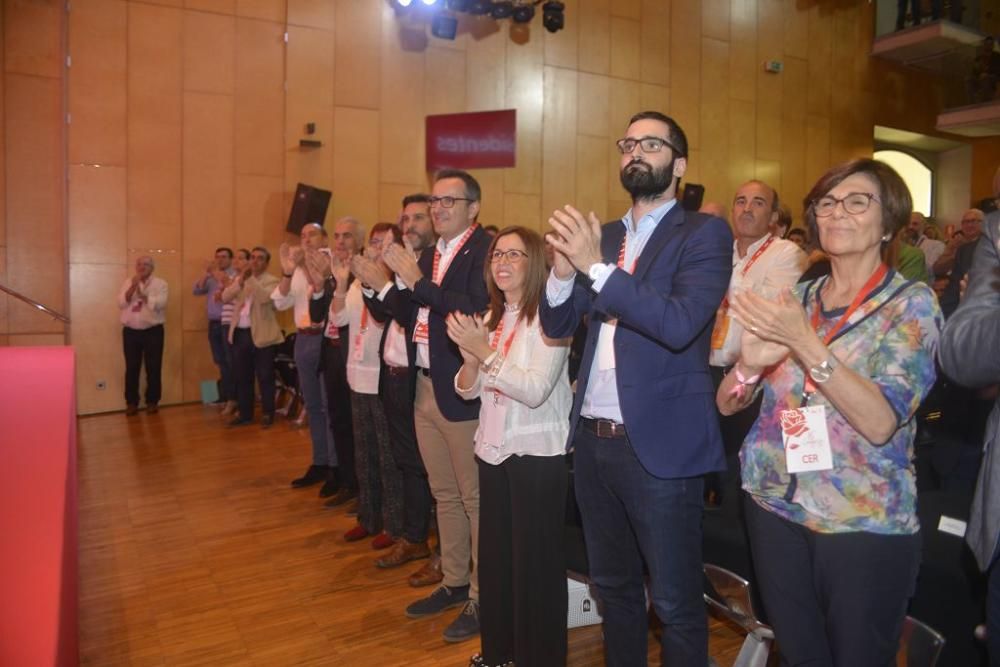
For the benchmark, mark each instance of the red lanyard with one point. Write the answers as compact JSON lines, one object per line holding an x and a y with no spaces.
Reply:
{"x":876,"y":278}
{"x":437,"y":254}
{"x":498,"y":332}
{"x":364,"y":318}
{"x":621,"y":256}
{"x":756,"y":255}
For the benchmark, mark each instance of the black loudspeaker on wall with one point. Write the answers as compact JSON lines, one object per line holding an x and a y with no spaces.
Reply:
{"x":309,"y":205}
{"x":693,"y":194}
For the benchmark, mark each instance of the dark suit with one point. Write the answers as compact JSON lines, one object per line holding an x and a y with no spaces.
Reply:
{"x":641,"y":495}
{"x":445,"y":424}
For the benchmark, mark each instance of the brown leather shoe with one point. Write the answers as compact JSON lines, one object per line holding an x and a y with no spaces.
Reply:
{"x":152,"y":409}
{"x":131,"y":410}
{"x":429,"y":575}
{"x":403,"y":552}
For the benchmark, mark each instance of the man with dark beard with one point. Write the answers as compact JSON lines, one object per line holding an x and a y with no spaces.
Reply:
{"x":643,"y":423}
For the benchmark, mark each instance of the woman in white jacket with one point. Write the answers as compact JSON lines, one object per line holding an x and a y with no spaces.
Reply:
{"x":521,"y":378}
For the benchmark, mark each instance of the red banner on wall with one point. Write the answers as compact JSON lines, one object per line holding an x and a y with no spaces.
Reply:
{"x":471,"y":140}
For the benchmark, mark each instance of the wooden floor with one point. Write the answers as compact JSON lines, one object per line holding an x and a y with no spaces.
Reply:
{"x":195,"y":551}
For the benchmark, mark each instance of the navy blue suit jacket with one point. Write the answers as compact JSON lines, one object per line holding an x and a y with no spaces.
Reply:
{"x":665,"y":313}
{"x":462,"y":288}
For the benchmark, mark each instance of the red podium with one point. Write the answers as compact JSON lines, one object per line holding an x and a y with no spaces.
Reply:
{"x":38,"y":511}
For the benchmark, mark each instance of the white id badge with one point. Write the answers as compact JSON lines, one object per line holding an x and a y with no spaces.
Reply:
{"x":606,"y":346}
{"x":492,"y":420}
{"x":806,"y":439}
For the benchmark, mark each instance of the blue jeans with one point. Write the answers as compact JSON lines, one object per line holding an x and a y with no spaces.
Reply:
{"x":307,"y":356}
{"x":630,"y":518}
{"x":222,"y":356}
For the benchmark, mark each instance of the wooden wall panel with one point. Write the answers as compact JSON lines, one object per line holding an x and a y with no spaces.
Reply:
{"x":312,"y":13}
{"x":625,"y":101}
{"x":97,"y":220}
{"x":36,"y":340}
{"x":625,"y":48}
{"x":561,"y":48}
{"x":491,"y":207}
{"x":97,"y":87}
{"x":266,"y":10}
{"x":355,"y":164}
{"x":685,"y":67}
{"x":796,"y":30}
{"x":595,"y":36}
{"x":486,"y":73}
{"x":592,"y":171}
{"x":96,"y":334}
{"x":356,"y":76}
{"x":525,"y":210}
{"x":559,"y":138}
{"x":36,"y":233}
{"x":820,"y":64}
{"x":593,"y":110}
{"x":396,"y":147}
{"x":629,"y":9}
{"x":445,"y":82}
{"x":260,"y":98}
{"x":390,"y":199}
{"x":719,"y":144}
{"x":652,"y":96}
{"x":309,"y":99}
{"x":654,"y":66}
{"x":208,"y":173}
{"x":4,"y":326}
{"x":817,"y":146}
{"x":261,"y":214}
{"x":209,"y":53}
{"x":33,"y":37}
{"x":155,"y":71}
{"x":525,"y":91}
{"x":197,"y":364}
{"x":715,"y":19}
{"x":168,"y":267}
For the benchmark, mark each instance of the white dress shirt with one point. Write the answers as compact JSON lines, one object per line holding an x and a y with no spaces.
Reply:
{"x":448,"y":251}
{"x":298,"y":297}
{"x":601,"y":399}
{"x":362,"y":356}
{"x":779,"y":266}
{"x":531,"y":384}
{"x":148,"y":305}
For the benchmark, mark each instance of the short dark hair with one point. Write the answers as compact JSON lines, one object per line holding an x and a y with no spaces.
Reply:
{"x":798,"y":231}
{"x":677,"y":136}
{"x":245,"y":252}
{"x":267,"y":254}
{"x":893,"y":195}
{"x":417,"y":198}
{"x":228,"y":251}
{"x":379,"y":227}
{"x":472,"y":189}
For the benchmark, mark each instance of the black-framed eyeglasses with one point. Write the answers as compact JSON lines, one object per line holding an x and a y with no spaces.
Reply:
{"x":648,"y":145}
{"x":446,"y":202}
{"x":512,"y":256}
{"x":854,"y":203}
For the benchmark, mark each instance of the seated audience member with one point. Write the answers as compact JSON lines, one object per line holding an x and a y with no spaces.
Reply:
{"x":254,"y":334}
{"x":968,"y":232}
{"x":380,"y":484}
{"x":844,"y":362}
{"x":970,"y":355}
{"x":962,"y":254}
{"x":799,"y":238}
{"x":520,"y":377}
{"x":907,"y":260}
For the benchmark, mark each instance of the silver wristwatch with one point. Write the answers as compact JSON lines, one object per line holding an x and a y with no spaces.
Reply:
{"x":822,"y":372}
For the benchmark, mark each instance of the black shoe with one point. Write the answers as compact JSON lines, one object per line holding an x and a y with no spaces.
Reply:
{"x":342,"y":496}
{"x":237,"y":422}
{"x":443,"y":598}
{"x":329,"y":488}
{"x":314,"y":475}
{"x":266,"y":421}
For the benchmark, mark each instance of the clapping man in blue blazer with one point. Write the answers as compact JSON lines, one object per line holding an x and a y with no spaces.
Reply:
{"x":643,"y":425}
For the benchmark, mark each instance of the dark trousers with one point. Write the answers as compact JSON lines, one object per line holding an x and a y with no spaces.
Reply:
{"x":380,"y":485}
{"x":832,"y":598}
{"x":250,"y":361}
{"x":397,"y":401}
{"x":522,"y":561}
{"x":143,"y":346}
{"x":222,"y":356}
{"x":631,"y":517}
{"x":338,"y":409}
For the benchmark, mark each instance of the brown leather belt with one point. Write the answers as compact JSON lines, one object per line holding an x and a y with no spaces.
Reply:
{"x":311,"y":331}
{"x":397,"y":371}
{"x":604,"y":428}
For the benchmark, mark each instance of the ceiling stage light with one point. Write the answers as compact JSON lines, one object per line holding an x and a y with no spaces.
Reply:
{"x":444,"y":26}
{"x":553,"y":17}
{"x":480,"y":7}
{"x":523,"y":13}
{"x":502,"y":9}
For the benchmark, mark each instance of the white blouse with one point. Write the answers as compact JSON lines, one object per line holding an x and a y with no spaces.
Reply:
{"x":528,"y":389}
{"x":363,"y":341}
